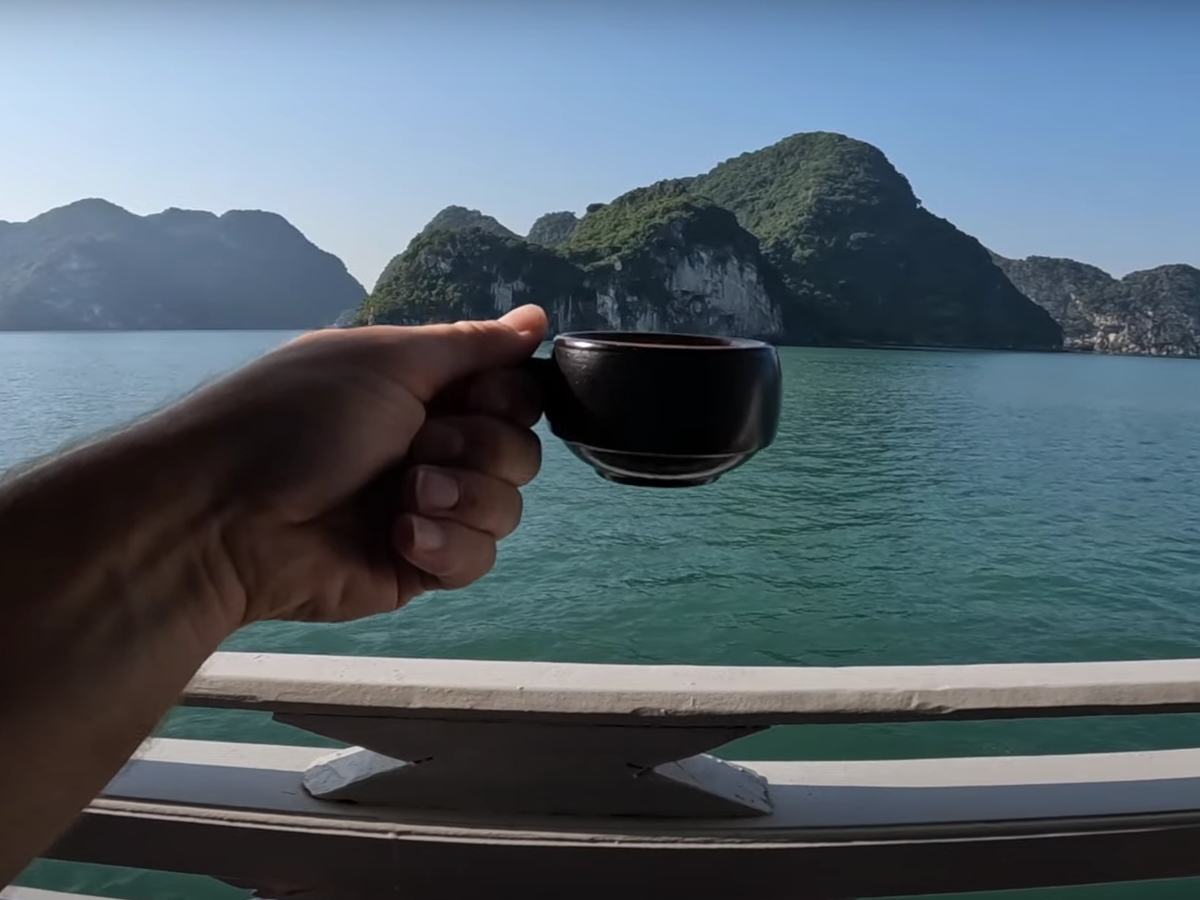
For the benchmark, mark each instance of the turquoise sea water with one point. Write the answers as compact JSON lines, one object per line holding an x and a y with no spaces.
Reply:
{"x":918,"y":507}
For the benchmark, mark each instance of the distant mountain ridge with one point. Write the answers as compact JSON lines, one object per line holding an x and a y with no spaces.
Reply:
{"x":456,"y":218}
{"x":858,"y":249}
{"x":1154,"y":312}
{"x":816,"y":239}
{"x":92,"y":265}
{"x":553,"y":229}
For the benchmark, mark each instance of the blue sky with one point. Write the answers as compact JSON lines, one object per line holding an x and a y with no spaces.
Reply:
{"x":1060,"y":127}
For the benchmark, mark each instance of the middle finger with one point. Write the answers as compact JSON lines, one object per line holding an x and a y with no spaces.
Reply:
{"x":477,"y":501}
{"x":480,"y":443}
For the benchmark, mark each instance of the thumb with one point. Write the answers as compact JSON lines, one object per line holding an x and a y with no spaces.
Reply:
{"x":434,"y":356}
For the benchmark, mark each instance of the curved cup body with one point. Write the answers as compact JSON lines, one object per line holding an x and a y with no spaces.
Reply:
{"x":661,"y":410}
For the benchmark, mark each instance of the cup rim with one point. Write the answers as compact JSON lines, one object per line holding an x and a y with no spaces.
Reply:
{"x":653,"y":340}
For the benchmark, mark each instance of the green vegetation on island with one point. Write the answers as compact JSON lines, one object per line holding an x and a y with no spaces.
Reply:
{"x":661,"y":217}
{"x":457,"y":218}
{"x":657,"y":258}
{"x":854,"y":244}
{"x":446,"y":275}
{"x":816,"y":239}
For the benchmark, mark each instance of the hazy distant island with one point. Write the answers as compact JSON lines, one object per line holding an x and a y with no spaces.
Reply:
{"x":1155,"y":312}
{"x":92,"y":265}
{"x":814,"y":240}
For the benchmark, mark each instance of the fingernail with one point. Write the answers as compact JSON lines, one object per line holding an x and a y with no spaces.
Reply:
{"x":525,"y":321}
{"x":427,"y":534}
{"x":436,"y":490}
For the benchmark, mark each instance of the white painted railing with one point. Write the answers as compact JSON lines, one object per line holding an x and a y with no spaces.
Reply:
{"x":498,"y":779}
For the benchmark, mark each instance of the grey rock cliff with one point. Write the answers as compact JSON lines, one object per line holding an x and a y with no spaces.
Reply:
{"x":656,"y":259}
{"x":1155,"y":312}
{"x":553,"y":229}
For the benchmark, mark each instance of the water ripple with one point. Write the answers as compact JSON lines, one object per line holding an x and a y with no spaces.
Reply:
{"x":916,"y":508}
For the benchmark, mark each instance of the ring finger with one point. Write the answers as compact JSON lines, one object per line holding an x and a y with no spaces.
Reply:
{"x":448,"y":555}
{"x":480,"y":502}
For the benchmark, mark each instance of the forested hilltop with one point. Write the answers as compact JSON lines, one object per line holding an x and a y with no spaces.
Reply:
{"x":814,"y":240}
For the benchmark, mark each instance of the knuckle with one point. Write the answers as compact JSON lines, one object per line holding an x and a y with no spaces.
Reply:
{"x":492,"y":505}
{"x":473,"y":498}
{"x":487,"y":557}
{"x":472,"y":327}
{"x":516,"y":510}
{"x":535,"y":456}
{"x":480,"y":440}
{"x":492,"y":445}
{"x":505,"y":514}
{"x":475,"y":558}
{"x":500,"y":449}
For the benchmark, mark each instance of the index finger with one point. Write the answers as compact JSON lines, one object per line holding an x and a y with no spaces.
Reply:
{"x":512,"y":394}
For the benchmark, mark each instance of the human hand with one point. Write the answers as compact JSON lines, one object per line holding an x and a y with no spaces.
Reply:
{"x":357,"y":468}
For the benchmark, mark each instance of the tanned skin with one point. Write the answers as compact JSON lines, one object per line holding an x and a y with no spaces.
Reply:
{"x":337,"y":477}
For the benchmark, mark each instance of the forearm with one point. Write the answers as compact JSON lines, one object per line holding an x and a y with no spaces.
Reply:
{"x":107,"y":607}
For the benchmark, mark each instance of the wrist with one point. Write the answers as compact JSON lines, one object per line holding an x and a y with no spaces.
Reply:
{"x":187,"y":504}
{"x":133,"y":523}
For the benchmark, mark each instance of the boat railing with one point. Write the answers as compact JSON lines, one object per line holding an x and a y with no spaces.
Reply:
{"x":461,"y":778}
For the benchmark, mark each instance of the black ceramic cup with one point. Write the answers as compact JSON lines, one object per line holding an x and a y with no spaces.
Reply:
{"x":661,"y":410}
